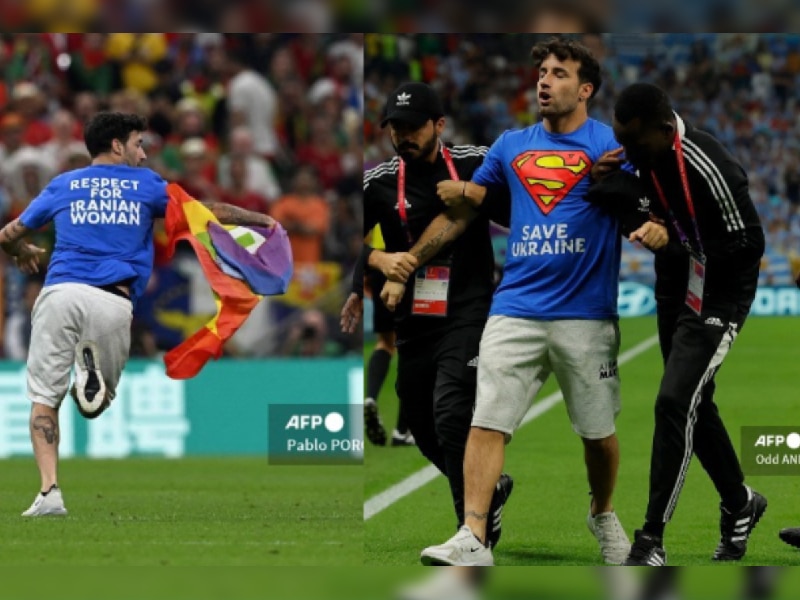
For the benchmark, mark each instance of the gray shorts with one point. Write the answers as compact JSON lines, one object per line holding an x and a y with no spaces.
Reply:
{"x":63,"y":315}
{"x":517,"y":357}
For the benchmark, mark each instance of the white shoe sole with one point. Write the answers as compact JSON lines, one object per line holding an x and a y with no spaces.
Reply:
{"x":55,"y":512}
{"x":46,"y":511}
{"x":82,"y":376}
{"x":434,"y":559}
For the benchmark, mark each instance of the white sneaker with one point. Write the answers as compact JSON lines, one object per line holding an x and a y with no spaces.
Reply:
{"x":461,"y":550}
{"x":446,"y":583}
{"x":51,"y":504}
{"x":89,"y":390}
{"x":614,"y":543}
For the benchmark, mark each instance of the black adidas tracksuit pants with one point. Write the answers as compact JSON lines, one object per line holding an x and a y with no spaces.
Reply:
{"x":686,"y":418}
{"x":436,"y":382}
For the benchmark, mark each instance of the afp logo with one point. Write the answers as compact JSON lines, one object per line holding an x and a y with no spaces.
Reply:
{"x":791,"y":440}
{"x":333,"y":422}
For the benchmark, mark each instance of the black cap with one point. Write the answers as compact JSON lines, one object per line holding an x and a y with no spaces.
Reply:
{"x":413,"y":103}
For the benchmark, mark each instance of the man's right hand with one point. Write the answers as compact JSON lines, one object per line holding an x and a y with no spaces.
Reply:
{"x":392,"y":294}
{"x":451,"y":192}
{"x":607,"y":163}
{"x":398,"y":266}
{"x":352,"y":312}
{"x":27,"y":259}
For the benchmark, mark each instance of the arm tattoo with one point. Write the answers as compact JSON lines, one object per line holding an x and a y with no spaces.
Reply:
{"x":48,"y":428}
{"x":435,"y":244}
{"x":11,"y":236}
{"x":474,"y":515}
{"x":233,"y":215}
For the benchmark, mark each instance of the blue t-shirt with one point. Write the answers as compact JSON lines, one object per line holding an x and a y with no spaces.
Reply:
{"x":563,"y":254}
{"x":103,"y":217}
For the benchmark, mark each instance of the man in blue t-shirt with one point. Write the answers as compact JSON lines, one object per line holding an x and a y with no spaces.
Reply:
{"x":102,"y":259}
{"x":555,"y":308}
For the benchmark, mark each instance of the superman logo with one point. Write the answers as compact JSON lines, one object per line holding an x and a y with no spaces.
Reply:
{"x":550,"y":175}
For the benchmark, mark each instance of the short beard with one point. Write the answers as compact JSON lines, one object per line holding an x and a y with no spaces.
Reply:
{"x":412,"y":155}
{"x":556,"y":110}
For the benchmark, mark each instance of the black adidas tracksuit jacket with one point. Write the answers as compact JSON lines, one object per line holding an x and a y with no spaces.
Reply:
{"x":693,"y":347}
{"x":437,"y":356}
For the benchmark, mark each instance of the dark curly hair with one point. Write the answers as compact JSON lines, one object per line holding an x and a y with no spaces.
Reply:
{"x":569,"y":49}
{"x":106,"y":127}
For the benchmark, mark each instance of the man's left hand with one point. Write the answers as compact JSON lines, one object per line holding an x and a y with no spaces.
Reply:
{"x":451,"y":192}
{"x":392,"y":294}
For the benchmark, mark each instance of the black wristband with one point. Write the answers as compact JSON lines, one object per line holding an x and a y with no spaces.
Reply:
{"x":366,"y":252}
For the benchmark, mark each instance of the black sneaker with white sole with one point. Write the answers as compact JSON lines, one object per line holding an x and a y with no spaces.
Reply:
{"x":647,"y":551}
{"x":736,"y":527}
{"x":373,"y":424}
{"x":89,"y":389}
{"x":403,"y":438}
{"x":501,"y":493}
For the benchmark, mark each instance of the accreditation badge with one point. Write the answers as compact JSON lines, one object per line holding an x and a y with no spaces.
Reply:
{"x":431,"y":287}
{"x":697,"y":280}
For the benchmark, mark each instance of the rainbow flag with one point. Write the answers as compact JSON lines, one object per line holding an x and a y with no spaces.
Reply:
{"x":242,"y":264}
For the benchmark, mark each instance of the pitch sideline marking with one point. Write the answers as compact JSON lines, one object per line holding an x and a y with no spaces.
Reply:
{"x":383,"y":500}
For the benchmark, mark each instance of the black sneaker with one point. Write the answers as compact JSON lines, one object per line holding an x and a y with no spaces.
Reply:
{"x":736,"y":527}
{"x":403,"y":438}
{"x":647,"y":551}
{"x":791,"y":535}
{"x":372,"y":422}
{"x":501,"y":493}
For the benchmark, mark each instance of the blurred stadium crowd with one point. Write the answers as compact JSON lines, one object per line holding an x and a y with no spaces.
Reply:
{"x":397,"y":15}
{"x":742,"y":87}
{"x":268,"y":122}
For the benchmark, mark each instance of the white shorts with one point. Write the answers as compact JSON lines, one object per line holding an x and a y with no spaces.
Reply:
{"x":63,"y":315}
{"x":517,"y":357}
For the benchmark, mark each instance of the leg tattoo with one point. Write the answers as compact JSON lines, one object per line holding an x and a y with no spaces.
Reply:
{"x":475,"y":515}
{"x":48,"y":428}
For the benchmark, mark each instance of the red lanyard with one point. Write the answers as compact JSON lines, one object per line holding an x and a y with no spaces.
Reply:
{"x":687,"y":194}
{"x":401,"y":188}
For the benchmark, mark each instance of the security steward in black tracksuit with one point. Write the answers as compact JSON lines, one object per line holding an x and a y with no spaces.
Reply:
{"x":706,"y":280}
{"x":441,"y":317}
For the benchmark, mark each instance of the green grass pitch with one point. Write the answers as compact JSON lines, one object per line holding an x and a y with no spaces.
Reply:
{"x":186,"y":512}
